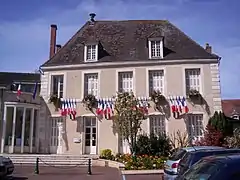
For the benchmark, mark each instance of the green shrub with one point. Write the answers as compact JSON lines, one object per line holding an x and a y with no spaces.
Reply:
{"x":106,"y":154}
{"x":153,"y":145}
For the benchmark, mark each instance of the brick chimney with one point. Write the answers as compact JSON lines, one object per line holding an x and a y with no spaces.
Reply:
{"x":208,"y":48}
{"x":53,"y":36}
{"x":58,"y":47}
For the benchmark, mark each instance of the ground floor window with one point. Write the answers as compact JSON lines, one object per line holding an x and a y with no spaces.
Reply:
{"x":195,"y":126}
{"x":19,"y":128}
{"x":157,"y":124}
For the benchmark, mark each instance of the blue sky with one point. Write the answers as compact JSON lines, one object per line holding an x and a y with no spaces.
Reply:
{"x":24,"y":28}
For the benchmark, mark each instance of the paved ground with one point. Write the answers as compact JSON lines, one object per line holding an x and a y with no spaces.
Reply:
{"x":144,"y":177}
{"x":78,"y":173}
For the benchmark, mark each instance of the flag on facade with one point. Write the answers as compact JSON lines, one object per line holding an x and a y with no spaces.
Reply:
{"x":35,"y":90}
{"x":19,"y":92}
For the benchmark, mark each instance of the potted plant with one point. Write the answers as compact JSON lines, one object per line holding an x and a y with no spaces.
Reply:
{"x":90,"y":102}
{"x":194,"y":94}
{"x":56,"y":101}
{"x":157,"y":97}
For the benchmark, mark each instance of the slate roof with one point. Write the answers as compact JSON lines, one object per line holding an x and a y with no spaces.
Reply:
{"x":128,"y":41}
{"x":230,"y":105}
{"x":7,"y":78}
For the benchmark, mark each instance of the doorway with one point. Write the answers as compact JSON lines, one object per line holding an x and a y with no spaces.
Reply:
{"x":90,"y":130}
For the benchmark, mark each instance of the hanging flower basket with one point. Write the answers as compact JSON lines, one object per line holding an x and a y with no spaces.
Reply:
{"x":157,"y":97}
{"x":90,"y":102}
{"x":55,"y":100}
{"x":194,"y":94}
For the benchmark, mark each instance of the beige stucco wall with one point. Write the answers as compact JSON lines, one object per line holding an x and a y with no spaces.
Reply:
{"x":174,"y":85}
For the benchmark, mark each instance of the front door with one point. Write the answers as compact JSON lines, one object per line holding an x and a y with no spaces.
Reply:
{"x":90,"y":135}
{"x":54,"y":134}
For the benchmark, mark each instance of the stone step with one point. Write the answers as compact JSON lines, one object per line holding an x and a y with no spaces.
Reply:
{"x":51,"y":160}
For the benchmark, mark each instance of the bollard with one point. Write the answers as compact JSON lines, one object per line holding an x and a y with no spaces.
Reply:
{"x":89,"y":167}
{"x":36,"y":171}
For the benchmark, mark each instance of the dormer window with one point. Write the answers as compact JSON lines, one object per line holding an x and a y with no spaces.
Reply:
{"x":91,"y":53}
{"x":155,"y":48}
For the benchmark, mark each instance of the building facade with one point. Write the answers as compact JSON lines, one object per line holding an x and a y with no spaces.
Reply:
{"x":20,"y":105}
{"x":104,"y":57}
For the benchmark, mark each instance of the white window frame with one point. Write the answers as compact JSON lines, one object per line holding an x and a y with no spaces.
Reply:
{"x":156,"y":80}
{"x":159,"y":117}
{"x":194,"y":128}
{"x":94,"y":80}
{"x":153,"y":42}
{"x":86,"y":59}
{"x":188,"y":72}
{"x":83,"y":81}
{"x":130,"y":81}
{"x":51,"y":84}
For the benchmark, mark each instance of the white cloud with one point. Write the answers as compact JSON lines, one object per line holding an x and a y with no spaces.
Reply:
{"x":25,"y":45}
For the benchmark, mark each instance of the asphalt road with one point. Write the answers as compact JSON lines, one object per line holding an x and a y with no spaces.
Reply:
{"x":77,"y":173}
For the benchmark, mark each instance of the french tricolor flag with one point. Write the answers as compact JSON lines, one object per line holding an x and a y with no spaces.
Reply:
{"x":19,"y":92}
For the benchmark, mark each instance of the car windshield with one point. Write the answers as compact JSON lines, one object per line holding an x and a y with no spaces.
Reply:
{"x":202,"y":170}
{"x":178,"y":154}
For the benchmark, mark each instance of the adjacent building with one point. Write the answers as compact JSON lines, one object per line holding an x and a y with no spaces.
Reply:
{"x":19,"y":111}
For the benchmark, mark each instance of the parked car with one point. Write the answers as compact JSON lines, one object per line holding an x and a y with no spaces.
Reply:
{"x":192,"y":157}
{"x":6,"y":166}
{"x":221,"y":167}
{"x":171,"y":165}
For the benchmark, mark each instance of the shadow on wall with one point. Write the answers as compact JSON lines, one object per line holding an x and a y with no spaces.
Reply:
{"x":51,"y":129}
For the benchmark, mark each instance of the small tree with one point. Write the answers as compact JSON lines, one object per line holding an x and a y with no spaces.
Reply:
{"x":128,"y":117}
{"x":220,"y":122}
{"x":212,"y":137}
{"x":179,"y":139}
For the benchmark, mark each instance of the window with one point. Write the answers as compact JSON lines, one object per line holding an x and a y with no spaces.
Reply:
{"x":157,"y":124}
{"x":156,"y":81}
{"x":156,"y":49}
{"x":125,"y":80}
{"x":192,"y":79}
{"x":57,"y":85}
{"x":195,"y":126}
{"x":91,"y":53}
{"x":91,"y":84}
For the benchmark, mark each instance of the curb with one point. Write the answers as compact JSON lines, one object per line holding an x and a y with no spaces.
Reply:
{"x":129,"y":172}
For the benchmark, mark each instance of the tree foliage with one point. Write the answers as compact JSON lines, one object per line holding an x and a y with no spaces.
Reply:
{"x":220,"y":122}
{"x":128,"y":117}
{"x":212,"y":137}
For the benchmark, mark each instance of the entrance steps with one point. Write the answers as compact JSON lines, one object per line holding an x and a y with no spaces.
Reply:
{"x":51,"y":159}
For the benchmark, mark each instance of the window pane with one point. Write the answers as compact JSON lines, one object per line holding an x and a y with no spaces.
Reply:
{"x":192,"y":79}
{"x":125,"y":80}
{"x":91,"y":84}
{"x":27,"y":127}
{"x":9,"y":125}
{"x":57,"y":85}
{"x":157,"y":124}
{"x":195,"y":126}
{"x":156,"y":48}
{"x":35,"y":126}
{"x":156,"y":81}
{"x":18,"y":128}
{"x":91,"y":52}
